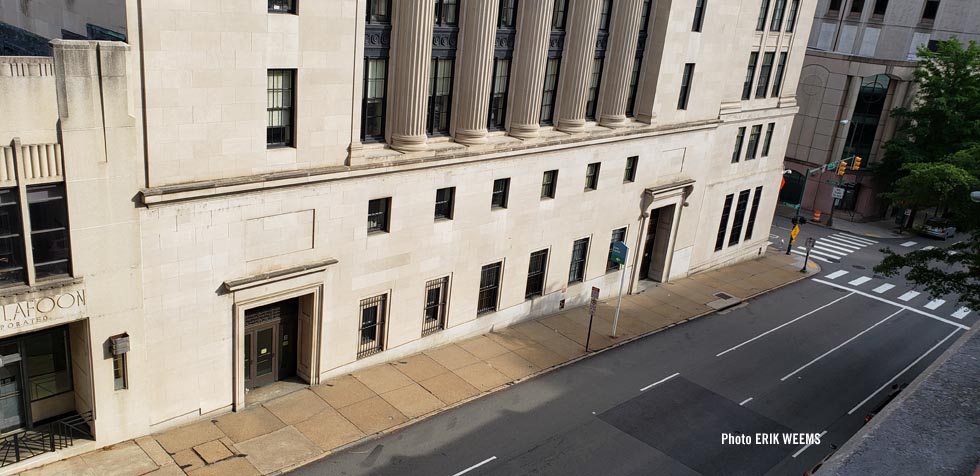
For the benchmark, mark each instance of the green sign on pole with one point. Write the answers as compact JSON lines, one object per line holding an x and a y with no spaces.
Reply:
{"x":619,"y":251}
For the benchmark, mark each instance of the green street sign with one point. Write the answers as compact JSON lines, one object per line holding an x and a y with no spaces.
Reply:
{"x":618,"y":252}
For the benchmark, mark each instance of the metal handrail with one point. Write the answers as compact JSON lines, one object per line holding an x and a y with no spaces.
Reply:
{"x":50,"y":437}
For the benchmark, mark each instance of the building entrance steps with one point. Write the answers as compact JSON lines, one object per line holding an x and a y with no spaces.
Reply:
{"x":293,"y":429}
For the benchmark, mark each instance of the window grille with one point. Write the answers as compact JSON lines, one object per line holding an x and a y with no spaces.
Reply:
{"x":434,"y":313}
{"x":489,"y":288}
{"x":371,"y":335}
{"x":535,"y":274}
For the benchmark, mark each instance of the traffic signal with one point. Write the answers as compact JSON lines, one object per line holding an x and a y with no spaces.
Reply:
{"x":857,"y":163}
{"x":842,"y":168}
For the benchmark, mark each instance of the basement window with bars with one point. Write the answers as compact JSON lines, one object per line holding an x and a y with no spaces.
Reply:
{"x":434,"y":312}
{"x":535,"y":274}
{"x":489,"y":288}
{"x":372,"y":328}
{"x":279,"y":128}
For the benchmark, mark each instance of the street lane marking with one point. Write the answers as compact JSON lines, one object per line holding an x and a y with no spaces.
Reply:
{"x":903,"y":371}
{"x":824,"y":254}
{"x":908,"y":296}
{"x":842,"y":243}
{"x":908,"y":244}
{"x":648,"y":387}
{"x":893,"y":303}
{"x":807,"y":446}
{"x":829,"y":251}
{"x":842,"y":344}
{"x":961,"y":312}
{"x":859,"y":281}
{"x":856,"y":238}
{"x":814,"y":257}
{"x":747,"y":400}
{"x":836,"y":274}
{"x":935,"y":303}
{"x":927,"y":248}
{"x":471,"y":468}
{"x":774,"y":329}
{"x":838,"y":246}
{"x":883,"y":288}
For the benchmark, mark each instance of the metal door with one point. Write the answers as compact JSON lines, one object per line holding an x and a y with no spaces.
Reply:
{"x":11,"y":391}
{"x":651,"y":238}
{"x":261,"y":362}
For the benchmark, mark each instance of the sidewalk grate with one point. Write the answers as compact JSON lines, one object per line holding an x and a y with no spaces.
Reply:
{"x":723,"y":296}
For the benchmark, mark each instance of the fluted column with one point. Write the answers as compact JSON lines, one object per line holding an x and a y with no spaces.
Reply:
{"x":411,"y":51}
{"x":530,"y":61}
{"x":653,"y":58}
{"x":619,"y":60}
{"x":576,"y":66}
{"x":474,"y":74}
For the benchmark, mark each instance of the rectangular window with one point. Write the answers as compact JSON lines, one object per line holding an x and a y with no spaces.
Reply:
{"x":580,"y":252}
{"x":743,"y":203}
{"x":617,"y":236}
{"x":550,"y":86}
{"x":282,"y":6}
{"x":447,"y":12}
{"x":279,"y":106}
{"x":379,"y":11}
{"x":764,"y":72}
{"x":489,"y":288}
{"x":440,"y":96}
{"x":590,"y":105}
{"x":753,"y":145}
{"x":880,"y":7}
{"x":501,"y":188}
{"x":723,"y":226}
{"x":48,"y":363}
{"x":119,"y":372}
{"x":760,"y":24}
{"x":857,"y":6}
{"x":768,"y":141}
{"x":498,"y":95}
{"x":48,"y":211}
{"x":630,"y":174}
{"x":634,"y":85}
{"x":645,"y":16}
{"x":592,"y":176}
{"x":445,"y":203}
{"x":434,"y":311}
{"x":686,"y":80}
{"x":794,"y":10}
{"x":834,"y":6}
{"x":535,"y":274}
{"x":750,"y":75}
{"x":378,"y":215}
{"x":549,"y":183}
{"x":739,"y":140}
{"x":929,"y":13}
{"x":508,"y":11}
{"x":752,"y":213}
{"x":604,"y":15}
{"x":558,"y":15}
{"x":373,"y":103}
{"x":698,"y":15}
{"x":372,"y":329}
{"x":777,"y":15}
{"x":777,"y":82}
{"x":11,"y":238}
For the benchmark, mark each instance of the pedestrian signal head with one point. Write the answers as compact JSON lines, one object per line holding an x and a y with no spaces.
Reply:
{"x":857,"y":163}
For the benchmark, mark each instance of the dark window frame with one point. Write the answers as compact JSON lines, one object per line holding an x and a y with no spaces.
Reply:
{"x":739,"y":142}
{"x":559,"y":14}
{"x":592,"y":176}
{"x":549,"y":96}
{"x":507,"y":14}
{"x":880,"y":8}
{"x":595,"y":81}
{"x":379,"y":134}
{"x":445,"y":207}
{"x":497,"y":111}
{"x":537,"y":273}
{"x":440,"y":105}
{"x":615,"y":237}
{"x":500,"y":194}
{"x":741,"y":206}
{"x":439,"y":308}
{"x":752,"y":213}
{"x":930,"y":11}
{"x":760,"y":23}
{"x":750,"y":75}
{"x":629,"y":174}
{"x":768,"y":140}
{"x":779,"y":9}
{"x":488,"y":299}
{"x":276,"y":98}
{"x":723,"y":226}
{"x":48,"y":226}
{"x":120,"y":379}
{"x":794,"y":11}
{"x":765,"y":72}
{"x":549,"y":187}
{"x":383,"y":224}
{"x":373,"y":8}
{"x":12,"y":242}
{"x":378,"y":326}
{"x":752,"y":148}
{"x":287,"y":7}
{"x":777,"y":80}
{"x":579,"y":260}
{"x":699,"y":11}
{"x":443,"y":17}
{"x":687,"y":83}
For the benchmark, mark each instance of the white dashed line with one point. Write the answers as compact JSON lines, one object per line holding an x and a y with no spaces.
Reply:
{"x":836,"y":274}
{"x":774,"y":329}
{"x":935,"y":303}
{"x":893,"y":303}
{"x":747,"y":400}
{"x":883,"y":288}
{"x":859,"y":281}
{"x":471,"y":468}
{"x":658,"y":382}
{"x":961,"y":312}
{"x":807,"y":446}
{"x":908,"y":296}
{"x":908,"y":244}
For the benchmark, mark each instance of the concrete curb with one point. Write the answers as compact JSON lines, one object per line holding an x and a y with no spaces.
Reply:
{"x":396,"y":428}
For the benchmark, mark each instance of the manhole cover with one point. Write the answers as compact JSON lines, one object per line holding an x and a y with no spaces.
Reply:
{"x":723,"y":296}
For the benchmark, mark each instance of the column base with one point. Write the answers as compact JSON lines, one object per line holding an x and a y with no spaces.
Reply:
{"x":524,"y":131}
{"x":405,"y":143}
{"x":471,"y":137}
{"x":646,"y":118}
{"x":571,"y":125}
{"x":617,"y":120}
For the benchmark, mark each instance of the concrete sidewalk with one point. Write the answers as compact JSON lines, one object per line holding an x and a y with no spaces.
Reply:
{"x":310,"y":423}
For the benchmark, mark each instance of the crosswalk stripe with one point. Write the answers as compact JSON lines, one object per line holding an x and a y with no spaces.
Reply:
{"x":908,"y":296}
{"x":825,"y":254}
{"x":813,"y":257}
{"x":961,"y":312}
{"x":908,"y":244}
{"x":883,"y":288}
{"x":836,"y":274}
{"x":859,"y":281}
{"x":836,"y":246}
{"x":927,"y":248}
{"x":935,"y":303}
{"x":855,"y":238}
{"x":849,"y":240}
{"x":840,"y":243}
{"x":828,"y":251}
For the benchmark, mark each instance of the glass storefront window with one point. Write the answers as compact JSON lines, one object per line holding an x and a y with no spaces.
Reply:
{"x":48,"y":363}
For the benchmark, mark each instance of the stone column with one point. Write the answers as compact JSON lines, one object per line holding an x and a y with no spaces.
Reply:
{"x":576,"y":63}
{"x":474,"y":71}
{"x":847,"y":110}
{"x":408,"y":91}
{"x":527,"y":72}
{"x":620,"y":55}
{"x":653,"y":57}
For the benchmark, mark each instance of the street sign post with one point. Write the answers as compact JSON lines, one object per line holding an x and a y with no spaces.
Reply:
{"x":792,"y":235}
{"x":838,"y":193}
{"x":810,"y":242}
{"x":592,"y":305}
{"x":619,"y":252}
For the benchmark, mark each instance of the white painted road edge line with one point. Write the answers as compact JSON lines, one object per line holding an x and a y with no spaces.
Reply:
{"x":648,"y":387}
{"x":842,"y":344}
{"x":747,"y":400}
{"x":471,"y":468}
{"x":903,"y":371}
{"x":783,"y":325}
{"x":855,"y":291}
{"x":801,"y":450}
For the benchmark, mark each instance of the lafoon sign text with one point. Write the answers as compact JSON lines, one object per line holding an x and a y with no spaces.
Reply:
{"x":24,"y":315}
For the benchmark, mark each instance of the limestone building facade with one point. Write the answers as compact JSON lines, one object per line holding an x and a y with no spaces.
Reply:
{"x":315,"y":187}
{"x":859,"y":67}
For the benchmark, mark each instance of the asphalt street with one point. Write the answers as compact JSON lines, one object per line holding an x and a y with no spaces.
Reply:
{"x":813,"y":357}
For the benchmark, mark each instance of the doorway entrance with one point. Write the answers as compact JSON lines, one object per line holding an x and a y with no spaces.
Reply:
{"x":36,"y":382}
{"x":270,"y":343}
{"x":656,"y":245}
